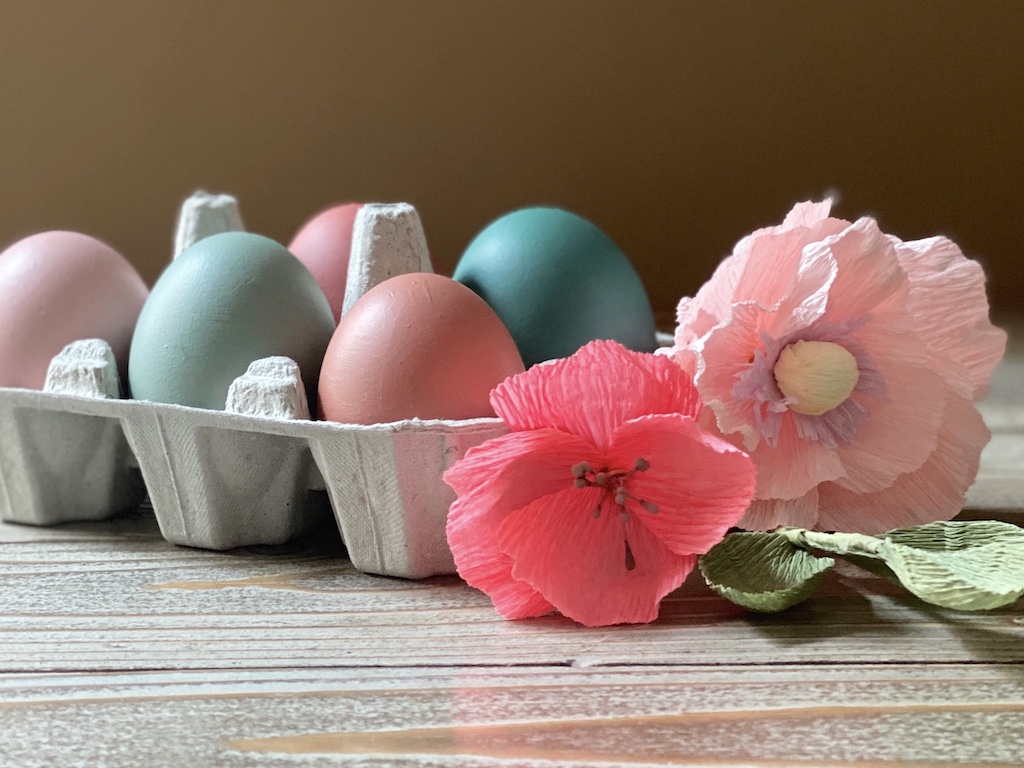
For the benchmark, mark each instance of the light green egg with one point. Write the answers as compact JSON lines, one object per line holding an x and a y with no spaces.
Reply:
{"x":228,"y":300}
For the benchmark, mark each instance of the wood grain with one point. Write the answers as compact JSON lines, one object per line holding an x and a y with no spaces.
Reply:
{"x":903,"y":715}
{"x":135,"y":604}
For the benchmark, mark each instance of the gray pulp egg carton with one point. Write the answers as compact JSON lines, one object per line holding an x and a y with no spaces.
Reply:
{"x":248,"y":475}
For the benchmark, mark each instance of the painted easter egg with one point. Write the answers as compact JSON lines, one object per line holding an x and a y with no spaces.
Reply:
{"x":324,"y":244}
{"x":417,"y":345}
{"x":557,"y":282}
{"x":60,"y":287}
{"x":226,"y":301}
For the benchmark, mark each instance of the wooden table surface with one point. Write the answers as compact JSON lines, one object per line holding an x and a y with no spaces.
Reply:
{"x":118,"y":649}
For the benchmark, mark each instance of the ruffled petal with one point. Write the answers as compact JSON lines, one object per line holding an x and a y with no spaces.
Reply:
{"x":950,"y":312}
{"x":808,"y":214}
{"x":726,"y":353}
{"x":492,"y":480}
{"x":778,"y":273}
{"x":768,"y":514}
{"x":685,"y":358}
{"x":794,"y":466}
{"x":591,"y":393}
{"x":581,"y":563}
{"x":936,"y":491}
{"x":713,"y":302}
{"x":902,"y":424}
{"x":869,"y":273}
{"x":699,"y":484}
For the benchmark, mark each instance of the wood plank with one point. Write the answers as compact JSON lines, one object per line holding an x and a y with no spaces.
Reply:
{"x":131,"y":604}
{"x":901,"y":715}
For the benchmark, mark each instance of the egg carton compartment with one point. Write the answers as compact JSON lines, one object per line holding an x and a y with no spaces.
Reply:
{"x":58,"y":465}
{"x":222,"y":479}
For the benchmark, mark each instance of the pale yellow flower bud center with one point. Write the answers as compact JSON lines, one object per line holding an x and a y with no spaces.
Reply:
{"x":817,"y":375}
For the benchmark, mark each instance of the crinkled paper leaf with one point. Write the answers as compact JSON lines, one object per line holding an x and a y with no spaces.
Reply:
{"x":965,"y":565}
{"x":763,"y":572}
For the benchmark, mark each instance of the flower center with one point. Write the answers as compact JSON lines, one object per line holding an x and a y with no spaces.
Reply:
{"x":816,"y":375}
{"x":614,"y":484}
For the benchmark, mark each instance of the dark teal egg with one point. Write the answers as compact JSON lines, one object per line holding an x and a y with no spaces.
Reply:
{"x":228,"y":300}
{"x":557,"y":282}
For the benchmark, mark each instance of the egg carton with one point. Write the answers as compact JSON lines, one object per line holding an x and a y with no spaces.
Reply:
{"x":251,"y":474}
{"x":240,"y":477}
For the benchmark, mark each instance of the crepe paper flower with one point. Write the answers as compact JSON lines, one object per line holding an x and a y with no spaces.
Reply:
{"x":847,"y":363}
{"x":598,"y":500}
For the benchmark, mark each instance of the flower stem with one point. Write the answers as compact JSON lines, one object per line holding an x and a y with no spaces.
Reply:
{"x":836,"y":543}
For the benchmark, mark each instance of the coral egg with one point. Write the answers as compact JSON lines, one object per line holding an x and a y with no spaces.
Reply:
{"x":417,"y":345}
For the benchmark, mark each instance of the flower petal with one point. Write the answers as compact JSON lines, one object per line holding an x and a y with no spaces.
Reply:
{"x":781,"y":270}
{"x":869,"y":273}
{"x":950,"y":310}
{"x":794,"y":466}
{"x":581,"y":563}
{"x":902,"y":424}
{"x":767,"y":514}
{"x":700,"y":484}
{"x":933,"y":492}
{"x":727,"y":352}
{"x":808,"y":214}
{"x":713,"y":302}
{"x":595,"y":390}
{"x":510,"y":471}
{"x":492,"y":480}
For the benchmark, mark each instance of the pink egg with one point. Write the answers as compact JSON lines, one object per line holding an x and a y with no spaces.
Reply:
{"x":323,"y":244}
{"x":60,"y":287}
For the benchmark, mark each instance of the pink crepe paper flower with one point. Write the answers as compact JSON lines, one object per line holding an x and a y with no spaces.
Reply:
{"x":847,"y":363}
{"x":601,"y":496}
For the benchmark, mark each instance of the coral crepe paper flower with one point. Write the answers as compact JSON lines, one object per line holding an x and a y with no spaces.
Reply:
{"x":847,"y":363}
{"x":598,"y":501}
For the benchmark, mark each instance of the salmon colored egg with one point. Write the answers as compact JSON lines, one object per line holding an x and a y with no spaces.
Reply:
{"x":61,"y":287}
{"x":324,"y":244}
{"x":417,"y":345}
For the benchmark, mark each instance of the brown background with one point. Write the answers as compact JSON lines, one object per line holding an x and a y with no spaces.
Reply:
{"x":677,"y":127}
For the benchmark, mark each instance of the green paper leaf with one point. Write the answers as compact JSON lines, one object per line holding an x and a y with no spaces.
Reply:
{"x":965,"y":565}
{"x":763,"y":572}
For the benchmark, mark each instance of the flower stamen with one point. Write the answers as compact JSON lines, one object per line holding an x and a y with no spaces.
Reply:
{"x":613,"y":483}
{"x":630,"y":560}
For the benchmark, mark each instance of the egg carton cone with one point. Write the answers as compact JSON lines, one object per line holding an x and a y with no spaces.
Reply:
{"x":250,"y":474}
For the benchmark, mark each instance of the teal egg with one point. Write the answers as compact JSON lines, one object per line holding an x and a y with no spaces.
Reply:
{"x":226,"y":301}
{"x":557,"y":282}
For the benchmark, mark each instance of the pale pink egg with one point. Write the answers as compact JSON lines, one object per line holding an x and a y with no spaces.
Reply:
{"x":60,"y":287}
{"x":324,"y":244}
